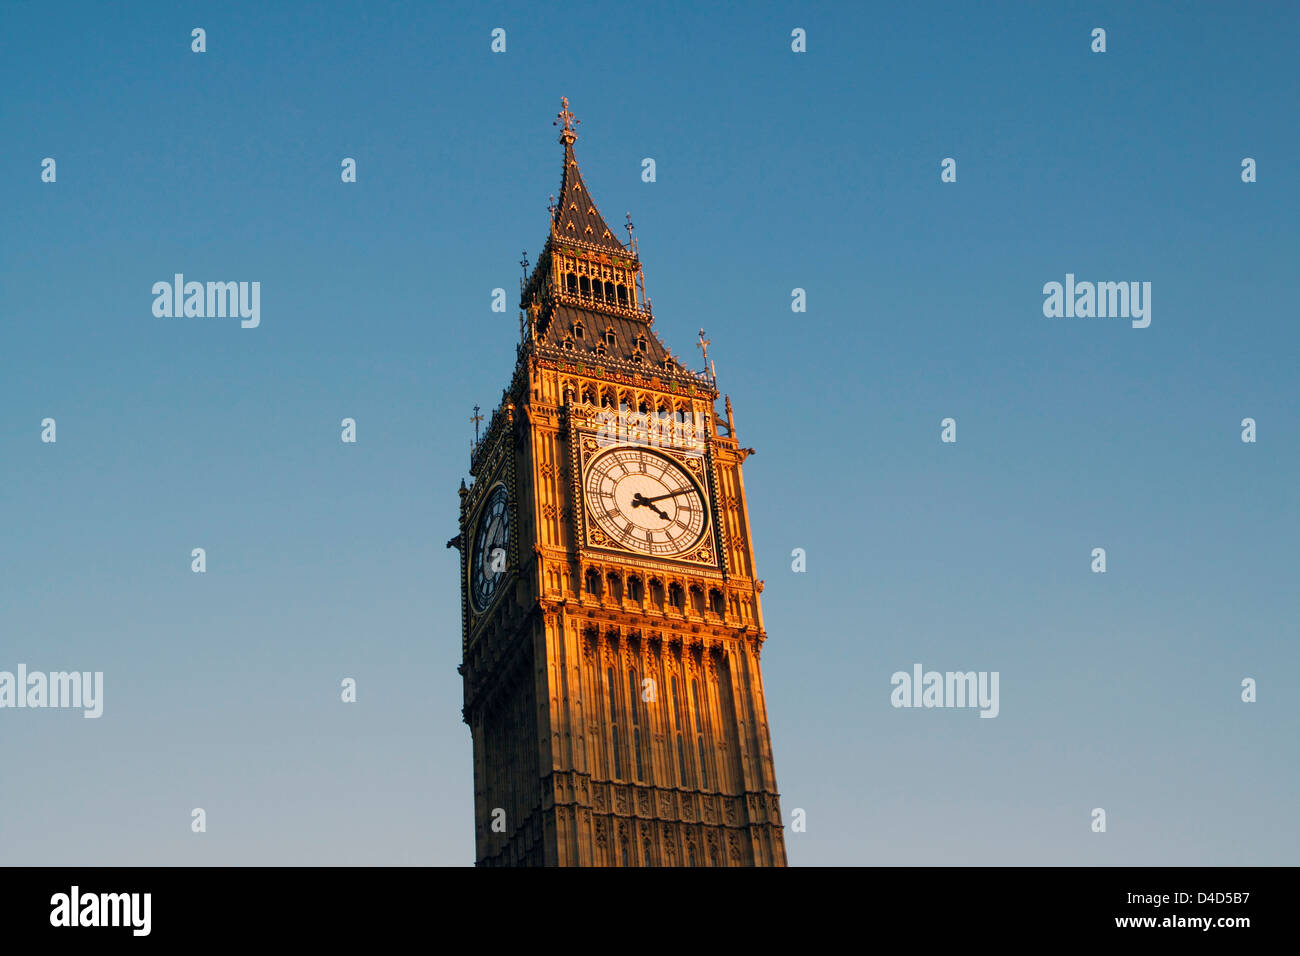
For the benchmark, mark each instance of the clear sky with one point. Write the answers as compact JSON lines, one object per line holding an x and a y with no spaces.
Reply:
{"x":775,"y":171}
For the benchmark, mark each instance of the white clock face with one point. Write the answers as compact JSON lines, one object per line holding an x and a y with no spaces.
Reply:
{"x":645,"y":501}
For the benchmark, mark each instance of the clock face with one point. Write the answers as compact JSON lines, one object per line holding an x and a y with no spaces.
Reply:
{"x":645,"y":501}
{"x":487,"y":562}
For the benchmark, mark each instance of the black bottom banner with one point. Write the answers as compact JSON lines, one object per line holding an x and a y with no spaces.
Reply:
{"x":1164,"y":906}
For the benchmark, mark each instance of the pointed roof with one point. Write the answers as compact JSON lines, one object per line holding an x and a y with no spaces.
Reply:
{"x":576,"y":216}
{"x":569,"y":326}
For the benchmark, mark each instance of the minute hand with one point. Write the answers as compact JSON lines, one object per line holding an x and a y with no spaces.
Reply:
{"x":671,"y":494}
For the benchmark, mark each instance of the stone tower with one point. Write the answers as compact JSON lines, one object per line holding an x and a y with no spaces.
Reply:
{"x":612,"y":623}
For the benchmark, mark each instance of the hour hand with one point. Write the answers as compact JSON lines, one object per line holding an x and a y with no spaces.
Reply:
{"x":643,"y":501}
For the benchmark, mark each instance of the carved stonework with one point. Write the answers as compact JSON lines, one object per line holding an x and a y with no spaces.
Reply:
{"x":522,"y":689}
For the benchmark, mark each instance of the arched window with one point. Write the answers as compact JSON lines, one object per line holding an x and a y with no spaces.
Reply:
{"x":657,"y":593}
{"x":606,"y":397}
{"x":593,"y":581}
{"x":578,"y":330}
{"x":613,"y":725}
{"x":699,"y":734}
{"x":588,"y":395}
{"x":615,"y":586}
{"x":634,"y":702}
{"x":676,"y":596}
{"x":622,"y":295}
{"x":642,"y":343}
{"x":677,"y":731}
{"x":584,"y":285}
{"x":609,"y":290}
{"x":697,"y":599}
{"x":634,"y":588}
{"x":568,"y":342}
{"x":716,"y":603}
{"x":623,"y":402}
{"x":571,"y":284}
{"x":610,"y":338}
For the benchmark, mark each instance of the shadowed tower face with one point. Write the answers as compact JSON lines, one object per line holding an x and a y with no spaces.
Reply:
{"x":612,"y":625}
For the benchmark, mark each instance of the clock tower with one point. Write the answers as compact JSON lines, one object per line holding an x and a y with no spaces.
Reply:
{"x":612,"y":629}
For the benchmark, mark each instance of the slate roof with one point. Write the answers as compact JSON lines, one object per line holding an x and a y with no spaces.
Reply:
{"x":595,"y":325}
{"x":576,"y":215}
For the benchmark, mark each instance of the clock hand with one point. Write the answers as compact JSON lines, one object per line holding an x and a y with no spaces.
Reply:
{"x":671,"y":494}
{"x":639,"y":499}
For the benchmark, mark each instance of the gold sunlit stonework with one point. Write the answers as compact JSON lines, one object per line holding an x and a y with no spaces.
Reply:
{"x":612,"y":625}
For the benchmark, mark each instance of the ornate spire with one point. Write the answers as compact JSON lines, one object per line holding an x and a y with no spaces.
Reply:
{"x":576,"y":216}
{"x":568,"y":134}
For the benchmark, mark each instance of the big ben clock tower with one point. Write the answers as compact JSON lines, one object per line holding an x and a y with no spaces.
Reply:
{"x":612,"y":624}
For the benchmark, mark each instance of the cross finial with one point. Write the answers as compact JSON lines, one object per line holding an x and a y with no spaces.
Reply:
{"x":551,"y":206}
{"x":524,"y":262}
{"x":568,"y":134}
{"x":631,"y":239}
{"x":476,"y":418}
{"x":703,"y":346}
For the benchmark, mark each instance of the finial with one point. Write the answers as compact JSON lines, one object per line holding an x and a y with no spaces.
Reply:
{"x":551,"y":206}
{"x":568,"y":134}
{"x":703,"y":346}
{"x":631,"y":239}
{"x":731,"y":423}
{"x":476,"y":418}
{"x":524,"y":262}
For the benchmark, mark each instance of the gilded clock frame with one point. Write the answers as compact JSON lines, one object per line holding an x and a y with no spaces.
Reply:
{"x":707,"y":553}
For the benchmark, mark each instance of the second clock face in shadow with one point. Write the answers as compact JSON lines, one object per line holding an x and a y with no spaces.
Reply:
{"x":488,"y":558}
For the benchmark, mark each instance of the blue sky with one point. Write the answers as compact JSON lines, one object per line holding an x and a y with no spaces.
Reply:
{"x":775,"y":170}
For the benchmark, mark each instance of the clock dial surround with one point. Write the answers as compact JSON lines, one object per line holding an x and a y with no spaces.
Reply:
{"x":645,"y":501}
{"x":487,"y":558}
